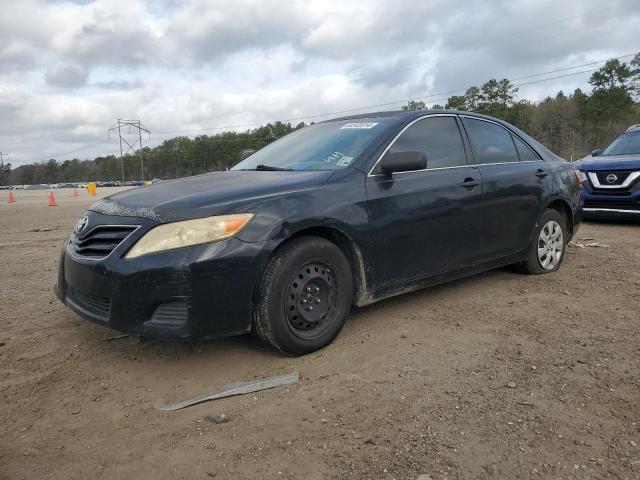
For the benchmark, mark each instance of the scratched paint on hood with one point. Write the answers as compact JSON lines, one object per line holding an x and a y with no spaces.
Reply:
{"x":109,"y":207}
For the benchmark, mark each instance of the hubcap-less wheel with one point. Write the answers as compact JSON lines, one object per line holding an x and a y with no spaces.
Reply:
{"x":310,"y":299}
{"x":550,"y":245}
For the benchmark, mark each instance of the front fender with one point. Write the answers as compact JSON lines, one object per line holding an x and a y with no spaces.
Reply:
{"x":342,"y":206}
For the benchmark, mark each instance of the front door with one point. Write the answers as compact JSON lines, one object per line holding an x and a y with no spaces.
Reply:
{"x":425,"y":222}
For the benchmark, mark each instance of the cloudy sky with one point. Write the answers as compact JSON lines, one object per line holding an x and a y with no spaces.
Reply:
{"x":69,"y":69}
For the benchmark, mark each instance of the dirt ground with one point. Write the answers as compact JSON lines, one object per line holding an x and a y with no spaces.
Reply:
{"x":497,"y":376}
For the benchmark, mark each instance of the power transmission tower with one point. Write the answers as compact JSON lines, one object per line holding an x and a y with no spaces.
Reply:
{"x":132,"y":125}
{"x":2,"y":179}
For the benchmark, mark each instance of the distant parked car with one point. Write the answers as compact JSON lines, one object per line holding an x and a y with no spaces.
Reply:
{"x":340,"y":213}
{"x":612,"y":177}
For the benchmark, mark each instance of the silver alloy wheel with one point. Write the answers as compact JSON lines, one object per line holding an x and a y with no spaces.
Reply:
{"x":550,"y":245}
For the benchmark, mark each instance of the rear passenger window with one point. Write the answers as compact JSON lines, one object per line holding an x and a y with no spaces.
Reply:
{"x":524,"y":152}
{"x":492,"y":143}
{"x":438,"y":137}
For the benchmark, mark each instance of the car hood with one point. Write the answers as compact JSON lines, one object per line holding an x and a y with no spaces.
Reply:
{"x":620,"y":162}
{"x":204,"y":195}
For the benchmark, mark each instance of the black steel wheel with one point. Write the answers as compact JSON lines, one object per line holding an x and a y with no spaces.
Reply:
{"x":310,"y":300}
{"x":304,"y":296}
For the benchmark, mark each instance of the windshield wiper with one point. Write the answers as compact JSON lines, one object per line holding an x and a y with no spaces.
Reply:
{"x":269,"y":167}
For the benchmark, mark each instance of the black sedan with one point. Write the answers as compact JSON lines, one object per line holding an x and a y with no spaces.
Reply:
{"x":341,"y":213}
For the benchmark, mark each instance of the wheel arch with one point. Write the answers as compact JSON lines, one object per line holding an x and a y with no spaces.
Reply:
{"x":563,"y":208}
{"x":349,"y":247}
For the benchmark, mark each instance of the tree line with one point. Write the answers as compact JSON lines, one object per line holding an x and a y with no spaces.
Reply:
{"x":173,"y":158}
{"x":570,"y":125}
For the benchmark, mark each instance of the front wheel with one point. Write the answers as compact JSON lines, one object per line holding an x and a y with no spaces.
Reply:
{"x":548,"y":245}
{"x":304,"y":296}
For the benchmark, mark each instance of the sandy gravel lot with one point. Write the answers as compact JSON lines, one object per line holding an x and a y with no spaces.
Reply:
{"x":496,"y":376}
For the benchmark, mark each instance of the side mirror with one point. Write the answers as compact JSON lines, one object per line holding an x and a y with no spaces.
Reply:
{"x":246,"y":153}
{"x":596,"y":152}
{"x":403,"y":161}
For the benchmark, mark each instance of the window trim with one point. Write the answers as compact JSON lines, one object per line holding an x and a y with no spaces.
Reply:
{"x":464,"y":134}
{"x":416,"y":120}
{"x":512,"y":134}
{"x":535,"y":154}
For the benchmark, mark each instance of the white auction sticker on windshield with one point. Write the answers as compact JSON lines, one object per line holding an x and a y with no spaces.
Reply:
{"x":344,"y":161}
{"x":363,"y":125}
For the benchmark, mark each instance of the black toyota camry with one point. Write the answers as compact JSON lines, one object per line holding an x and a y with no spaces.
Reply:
{"x":341,"y":213}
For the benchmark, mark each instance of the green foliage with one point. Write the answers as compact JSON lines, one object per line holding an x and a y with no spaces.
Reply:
{"x":413,"y":106}
{"x":495,"y":98}
{"x":5,"y":172}
{"x":570,"y":125}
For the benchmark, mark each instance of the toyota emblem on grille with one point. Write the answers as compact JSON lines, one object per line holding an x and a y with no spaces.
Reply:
{"x":612,"y":178}
{"x":81,"y":225}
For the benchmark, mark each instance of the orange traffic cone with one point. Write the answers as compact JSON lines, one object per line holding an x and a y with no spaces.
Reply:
{"x":52,"y":200}
{"x":10,"y":198}
{"x":75,"y":193}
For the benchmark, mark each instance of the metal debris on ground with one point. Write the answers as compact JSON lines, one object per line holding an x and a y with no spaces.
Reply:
{"x":116,"y":337}
{"x":588,"y":244}
{"x":238,"y":388}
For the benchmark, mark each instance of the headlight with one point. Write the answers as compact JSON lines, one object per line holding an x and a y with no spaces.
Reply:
{"x":189,"y":232}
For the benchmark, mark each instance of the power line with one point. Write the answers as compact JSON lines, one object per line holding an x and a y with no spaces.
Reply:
{"x":405,"y":100}
{"x":367,"y":107}
{"x":519,"y":32}
{"x":571,"y":68}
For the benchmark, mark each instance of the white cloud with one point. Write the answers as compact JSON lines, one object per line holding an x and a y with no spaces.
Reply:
{"x":68,"y":70}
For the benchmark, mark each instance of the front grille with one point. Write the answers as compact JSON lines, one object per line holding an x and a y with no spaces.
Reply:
{"x":100,"y":241}
{"x":93,"y":303}
{"x":170,"y":315}
{"x":620,"y":174}
{"x":612,"y":204}
{"x":601,"y":185}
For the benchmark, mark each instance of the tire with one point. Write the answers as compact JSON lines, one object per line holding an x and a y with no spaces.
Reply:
{"x":304,"y":296}
{"x":545,"y":256}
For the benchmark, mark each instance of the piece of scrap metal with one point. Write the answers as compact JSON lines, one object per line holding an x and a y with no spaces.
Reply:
{"x":238,"y":388}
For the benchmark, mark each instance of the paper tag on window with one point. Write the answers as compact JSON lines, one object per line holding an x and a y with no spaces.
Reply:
{"x":362,"y":125}
{"x":344,"y":161}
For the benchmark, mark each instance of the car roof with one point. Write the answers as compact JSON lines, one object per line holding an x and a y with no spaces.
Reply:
{"x":633,"y":128}
{"x":405,"y":117}
{"x":411,"y":115}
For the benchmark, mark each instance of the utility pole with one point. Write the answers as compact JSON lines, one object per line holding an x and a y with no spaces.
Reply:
{"x":131,"y":146}
{"x":2,"y":155}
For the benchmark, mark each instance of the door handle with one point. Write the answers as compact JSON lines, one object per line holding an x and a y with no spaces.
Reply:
{"x":541,"y":173}
{"x":469,"y":183}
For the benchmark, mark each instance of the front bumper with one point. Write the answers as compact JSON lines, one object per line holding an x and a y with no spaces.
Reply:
{"x":205,"y":291}
{"x":610,"y":202}
{"x":599,"y":205}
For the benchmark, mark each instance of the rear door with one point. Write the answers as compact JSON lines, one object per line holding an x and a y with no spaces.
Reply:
{"x":425,"y":222}
{"x":513,"y":178}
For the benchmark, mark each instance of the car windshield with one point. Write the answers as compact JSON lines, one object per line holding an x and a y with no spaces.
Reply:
{"x":323,"y":146}
{"x":625,"y":144}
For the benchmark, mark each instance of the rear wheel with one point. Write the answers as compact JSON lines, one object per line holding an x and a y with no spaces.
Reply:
{"x":304,"y":296}
{"x":548,"y":245}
